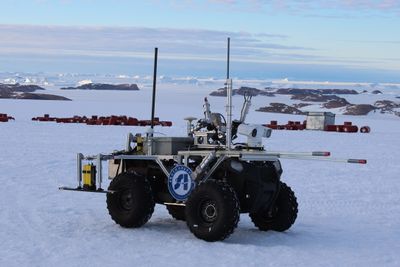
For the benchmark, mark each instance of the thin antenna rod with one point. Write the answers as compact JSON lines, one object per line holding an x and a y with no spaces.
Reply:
{"x":153,"y":104}
{"x":228,"y":102}
{"x":228,"y":57}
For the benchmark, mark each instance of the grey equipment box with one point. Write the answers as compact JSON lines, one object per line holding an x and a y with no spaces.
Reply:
{"x":168,"y":145}
{"x":319,"y":120}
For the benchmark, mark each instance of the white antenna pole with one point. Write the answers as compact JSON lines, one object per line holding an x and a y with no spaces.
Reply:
{"x":229,"y":114}
{"x":228,"y":103}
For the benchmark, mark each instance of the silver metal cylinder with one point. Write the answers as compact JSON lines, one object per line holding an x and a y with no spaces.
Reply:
{"x":245,"y":110}
{"x":150,"y":134}
{"x":207,"y":110}
{"x":129,"y":140}
{"x":79,"y":158}
{"x":99,"y":170}
{"x":203,"y":165}
{"x":189,"y":125}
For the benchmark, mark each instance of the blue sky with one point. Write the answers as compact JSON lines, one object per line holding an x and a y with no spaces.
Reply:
{"x":346,"y":40}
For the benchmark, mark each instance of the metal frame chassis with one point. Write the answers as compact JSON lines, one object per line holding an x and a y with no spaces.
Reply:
{"x":183,"y":158}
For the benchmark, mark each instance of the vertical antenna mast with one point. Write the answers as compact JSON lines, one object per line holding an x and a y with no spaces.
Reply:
{"x":228,"y":58}
{"x":228,"y":101}
{"x":153,"y":104}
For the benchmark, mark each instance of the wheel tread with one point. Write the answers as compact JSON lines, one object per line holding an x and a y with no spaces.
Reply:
{"x":127,"y":179}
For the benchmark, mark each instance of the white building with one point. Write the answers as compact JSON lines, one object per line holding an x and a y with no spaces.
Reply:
{"x":319,"y":120}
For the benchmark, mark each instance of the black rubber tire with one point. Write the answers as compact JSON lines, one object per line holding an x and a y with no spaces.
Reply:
{"x":132,"y":204}
{"x":284,"y":214}
{"x":177,"y":212}
{"x":212,"y":211}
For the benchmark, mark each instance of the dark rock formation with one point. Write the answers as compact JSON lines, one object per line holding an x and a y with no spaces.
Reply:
{"x":376,"y":92}
{"x":387,"y":106}
{"x":269,"y":91}
{"x":281,"y":108}
{"x":17,"y":91}
{"x":317,"y":98}
{"x":337,"y":103}
{"x":33,"y":96}
{"x":219,"y":92}
{"x":297,"y":91}
{"x":19,"y":88}
{"x":104,"y":86}
{"x":41,"y":97}
{"x":358,"y":110}
{"x":247,"y":91}
{"x":241,"y":91}
{"x":301,"y":105}
{"x":265,"y":93}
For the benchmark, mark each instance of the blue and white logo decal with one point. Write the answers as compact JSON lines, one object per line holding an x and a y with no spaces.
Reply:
{"x":180,"y":182}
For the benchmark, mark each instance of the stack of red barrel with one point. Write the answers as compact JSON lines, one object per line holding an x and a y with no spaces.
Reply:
{"x":5,"y":118}
{"x":347,"y":127}
{"x":46,"y":117}
{"x":291,"y":125}
{"x":104,"y":120}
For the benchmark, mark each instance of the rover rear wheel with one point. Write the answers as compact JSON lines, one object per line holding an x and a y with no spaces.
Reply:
{"x":132,"y":204}
{"x":212,"y":211}
{"x":283,"y":215}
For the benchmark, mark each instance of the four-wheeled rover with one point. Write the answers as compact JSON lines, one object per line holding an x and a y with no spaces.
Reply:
{"x":203,"y":178}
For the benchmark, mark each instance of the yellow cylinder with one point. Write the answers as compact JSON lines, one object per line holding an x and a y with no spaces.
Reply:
{"x":89,"y":177}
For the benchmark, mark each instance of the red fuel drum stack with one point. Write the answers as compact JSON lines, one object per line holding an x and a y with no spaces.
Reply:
{"x":5,"y":118}
{"x":103,"y":120}
{"x":46,"y":117}
{"x":347,"y":127}
{"x":291,"y":125}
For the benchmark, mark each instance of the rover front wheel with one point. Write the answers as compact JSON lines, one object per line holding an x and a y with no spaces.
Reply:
{"x":212,"y":211}
{"x":132,"y":204}
{"x":282,"y":216}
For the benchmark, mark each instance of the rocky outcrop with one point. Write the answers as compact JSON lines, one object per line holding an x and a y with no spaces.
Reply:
{"x":387,"y":106}
{"x":317,"y":98}
{"x":17,"y":91}
{"x":376,"y":92}
{"x":219,"y":92}
{"x":358,"y":110}
{"x":247,"y":91}
{"x":337,"y":103}
{"x":297,"y":91}
{"x":242,"y":91}
{"x":19,"y":88}
{"x":104,"y":86}
{"x":301,"y":105}
{"x":33,"y":96}
{"x":281,"y":108}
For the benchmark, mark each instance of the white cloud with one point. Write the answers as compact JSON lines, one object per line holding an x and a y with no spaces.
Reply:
{"x":383,"y":6}
{"x":138,"y":42}
{"x":109,"y":47}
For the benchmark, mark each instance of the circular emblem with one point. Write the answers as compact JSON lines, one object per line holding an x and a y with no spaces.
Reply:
{"x":180,"y":182}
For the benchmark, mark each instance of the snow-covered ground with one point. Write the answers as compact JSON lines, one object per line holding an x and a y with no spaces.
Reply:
{"x":348,"y":214}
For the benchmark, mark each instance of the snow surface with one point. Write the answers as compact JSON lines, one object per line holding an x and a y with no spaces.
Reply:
{"x":348,"y":214}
